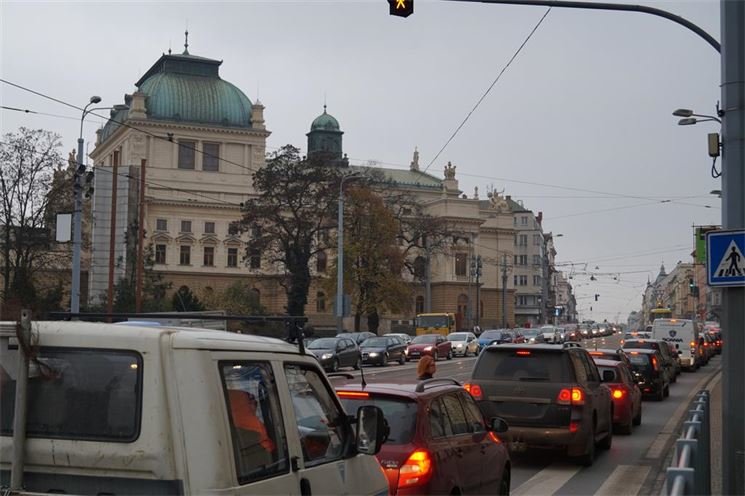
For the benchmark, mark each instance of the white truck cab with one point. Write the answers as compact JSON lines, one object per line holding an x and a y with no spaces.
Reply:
{"x":682,"y":334}
{"x":163,"y":410}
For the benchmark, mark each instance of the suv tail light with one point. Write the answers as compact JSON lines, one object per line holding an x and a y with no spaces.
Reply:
{"x":571,"y":396}
{"x":416,"y":470}
{"x":474,"y":389}
{"x":654,"y":363}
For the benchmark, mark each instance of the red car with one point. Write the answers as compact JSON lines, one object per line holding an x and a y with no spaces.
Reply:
{"x":625,"y":394}
{"x":439,"y":442}
{"x":437,"y":344}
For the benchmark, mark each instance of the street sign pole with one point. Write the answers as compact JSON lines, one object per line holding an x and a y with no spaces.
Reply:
{"x":732,"y":15}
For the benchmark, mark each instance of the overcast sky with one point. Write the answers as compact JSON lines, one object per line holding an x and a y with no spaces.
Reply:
{"x":579,"y":126}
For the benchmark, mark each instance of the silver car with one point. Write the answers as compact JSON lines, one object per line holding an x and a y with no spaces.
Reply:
{"x":464,"y":343}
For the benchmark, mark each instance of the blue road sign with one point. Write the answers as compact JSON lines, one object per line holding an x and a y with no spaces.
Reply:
{"x":725,"y":263}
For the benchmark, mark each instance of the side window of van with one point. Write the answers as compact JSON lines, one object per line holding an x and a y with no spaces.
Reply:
{"x":322,"y":426}
{"x":76,"y":393}
{"x":257,"y":430}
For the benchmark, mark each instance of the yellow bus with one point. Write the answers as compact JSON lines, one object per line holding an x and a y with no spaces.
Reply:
{"x":435,"y":323}
{"x":660,"y":313}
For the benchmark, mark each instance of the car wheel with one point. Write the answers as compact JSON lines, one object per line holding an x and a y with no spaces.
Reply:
{"x":660,"y":394}
{"x":435,"y":356}
{"x":638,"y":419}
{"x":358,"y":363}
{"x":667,"y":391}
{"x":401,"y":359}
{"x":335,"y":365}
{"x":385,"y":360}
{"x":449,"y":355}
{"x":504,"y":484}
{"x":589,"y":457}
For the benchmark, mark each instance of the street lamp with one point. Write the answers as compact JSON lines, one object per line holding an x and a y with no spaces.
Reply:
{"x":340,"y":255}
{"x":689,"y":117}
{"x":77,"y":214}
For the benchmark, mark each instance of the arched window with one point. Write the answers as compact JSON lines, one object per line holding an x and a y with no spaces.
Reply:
{"x":257,"y":295}
{"x":420,"y":265}
{"x":320,"y":302}
{"x":321,"y":262}
{"x":420,"y":304}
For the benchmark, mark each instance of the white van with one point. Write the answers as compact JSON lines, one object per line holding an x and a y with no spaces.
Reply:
{"x":683,"y":335}
{"x":161,"y":410}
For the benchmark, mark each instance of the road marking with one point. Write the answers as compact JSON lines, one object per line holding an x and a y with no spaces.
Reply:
{"x":547,"y":481}
{"x":658,"y":445}
{"x":625,"y":480}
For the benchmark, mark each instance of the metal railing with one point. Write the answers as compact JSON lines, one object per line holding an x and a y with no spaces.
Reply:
{"x":690,"y":469}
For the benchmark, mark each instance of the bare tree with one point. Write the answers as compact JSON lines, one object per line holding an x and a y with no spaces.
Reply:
{"x":29,"y":160}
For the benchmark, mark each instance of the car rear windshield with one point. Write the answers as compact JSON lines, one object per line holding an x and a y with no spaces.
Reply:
{"x":524,"y":365}
{"x":642,"y":345}
{"x":400,"y":413}
{"x":640,"y":362}
{"x":602,"y":371}
{"x":86,"y":394}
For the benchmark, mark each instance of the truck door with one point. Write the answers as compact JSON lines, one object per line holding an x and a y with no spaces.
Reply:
{"x":324,"y":439}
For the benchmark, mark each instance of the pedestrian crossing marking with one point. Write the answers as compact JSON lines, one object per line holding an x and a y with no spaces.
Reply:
{"x":732,"y":262}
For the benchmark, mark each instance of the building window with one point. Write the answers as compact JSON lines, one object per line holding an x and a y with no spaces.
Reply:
{"x":514,"y":221}
{"x":522,"y":240}
{"x":521,"y":280}
{"x":209,"y":228}
{"x":186,"y":154}
{"x":160,"y":254}
{"x":524,"y":220}
{"x":256,"y":296}
{"x":161,"y":225}
{"x":537,"y":239}
{"x":522,"y":301}
{"x":460,"y":264}
{"x":185,"y":255}
{"x":211,"y":157}
{"x":320,"y":302}
{"x":209,"y":256}
{"x":536,"y":260}
{"x":232,"y":257}
{"x":521,"y":260}
{"x":321,"y":262}
{"x":420,"y":267}
{"x":185,"y":226}
{"x":255,"y":258}
{"x":419,"y":304}
{"x":536,"y":280}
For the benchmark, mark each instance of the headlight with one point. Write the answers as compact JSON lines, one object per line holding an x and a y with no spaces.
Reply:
{"x":427,"y":348}
{"x":459,"y":345}
{"x":373,"y":354}
{"x":326,"y":356}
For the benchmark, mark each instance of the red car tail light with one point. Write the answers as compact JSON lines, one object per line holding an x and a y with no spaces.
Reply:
{"x":474,"y":389}
{"x":573,"y":396}
{"x":522,"y":353}
{"x":618,"y":393}
{"x":493,"y":436}
{"x":573,"y":426}
{"x":353,"y":394}
{"x":416,"y":470}
{"x":654,"y":362}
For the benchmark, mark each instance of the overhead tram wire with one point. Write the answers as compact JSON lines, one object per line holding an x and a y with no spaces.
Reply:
{"x":168,"y":138}
{"x":27,"y":111}
{"x":512,"y":59}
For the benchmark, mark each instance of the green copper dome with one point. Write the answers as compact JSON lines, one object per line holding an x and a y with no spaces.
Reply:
{"x":325,"y":122}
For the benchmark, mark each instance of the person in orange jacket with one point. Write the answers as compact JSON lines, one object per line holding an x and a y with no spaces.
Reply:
{"x":426,"y":367}
{"x":243,"y":408}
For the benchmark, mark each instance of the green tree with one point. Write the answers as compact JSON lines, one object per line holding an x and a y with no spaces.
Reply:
{"x":184,"y":300}
{"x":295,"y":204}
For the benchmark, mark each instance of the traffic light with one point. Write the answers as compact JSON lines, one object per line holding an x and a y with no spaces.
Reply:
{"x":401,"y":8}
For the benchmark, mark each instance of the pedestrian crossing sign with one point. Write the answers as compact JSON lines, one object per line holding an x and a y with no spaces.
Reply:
{"x":725,"y":262}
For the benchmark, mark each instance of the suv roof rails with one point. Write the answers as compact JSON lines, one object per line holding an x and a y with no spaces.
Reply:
{"x":433,"y":382}
{"x":572,"y":344}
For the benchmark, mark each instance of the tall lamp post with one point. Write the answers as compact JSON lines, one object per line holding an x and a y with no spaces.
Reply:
{"x":77,"y":213}
{"x":340,"y":256}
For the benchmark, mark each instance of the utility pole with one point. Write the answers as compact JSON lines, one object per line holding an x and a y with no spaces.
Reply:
{"x":112,"y":234}
{"x":140,"y":240}
{"x":476,"y":269}
{"x":428,"y":277}
{"x":732,"y":15}
{"x":504,"y":291}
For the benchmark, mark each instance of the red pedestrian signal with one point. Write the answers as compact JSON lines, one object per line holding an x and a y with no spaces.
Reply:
{"x":401,"y":8}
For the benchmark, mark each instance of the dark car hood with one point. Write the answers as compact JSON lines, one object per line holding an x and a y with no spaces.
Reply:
{"x":369,"y":349}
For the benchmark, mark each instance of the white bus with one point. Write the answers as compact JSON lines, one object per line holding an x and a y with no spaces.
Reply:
{"x":683,"y":335}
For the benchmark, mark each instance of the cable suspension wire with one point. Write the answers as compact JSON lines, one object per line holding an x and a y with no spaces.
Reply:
{"x":494,"y":82}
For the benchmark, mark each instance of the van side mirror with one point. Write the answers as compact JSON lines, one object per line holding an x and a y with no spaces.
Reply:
{"x":498,"y":425}
{"x":372,"y":430}
{"x":608,"y":376}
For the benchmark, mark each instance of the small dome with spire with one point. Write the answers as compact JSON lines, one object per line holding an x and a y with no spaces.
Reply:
{"x":325,"y":122}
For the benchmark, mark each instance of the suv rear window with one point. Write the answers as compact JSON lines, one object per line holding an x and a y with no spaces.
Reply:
{"x":524,"y":365}
{"x":640,"y":361}
{"x":88,"y":394}
{"x":643,"y":345}
{"x":400,"y":413}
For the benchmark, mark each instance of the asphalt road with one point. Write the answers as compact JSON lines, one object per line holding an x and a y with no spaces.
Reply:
{"x":628,"y":468}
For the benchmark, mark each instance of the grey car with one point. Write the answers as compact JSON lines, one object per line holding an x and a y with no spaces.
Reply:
{"x":333,"y":353}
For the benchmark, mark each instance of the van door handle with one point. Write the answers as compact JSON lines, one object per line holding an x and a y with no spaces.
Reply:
{"x":305,"y":487}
